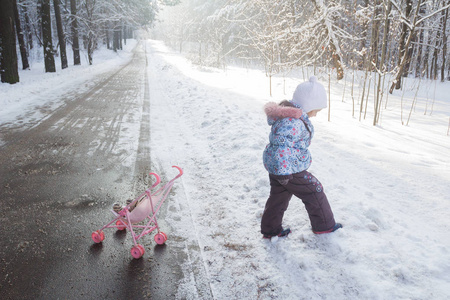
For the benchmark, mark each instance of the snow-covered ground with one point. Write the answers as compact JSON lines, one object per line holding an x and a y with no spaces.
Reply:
{"x":389,"y":184}
{"x":28,"y":101}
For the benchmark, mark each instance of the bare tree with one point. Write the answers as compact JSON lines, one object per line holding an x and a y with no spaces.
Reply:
{"x":8,"y":63}
{"x":416,"y":21}
{"x":22,"y":47}
{"x":47,"y":44}
{"x":444,"y":41}
{"x":61,"y":38}
{"x":89,"y":7}
{"x":74,"y":26}
{"x":403,"y":53}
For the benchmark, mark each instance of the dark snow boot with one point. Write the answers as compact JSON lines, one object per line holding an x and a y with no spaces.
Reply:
{"x":332,"y":229}
{"x":283,"y":233}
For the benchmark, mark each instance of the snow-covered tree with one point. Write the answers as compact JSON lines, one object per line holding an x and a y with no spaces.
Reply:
{"x":91,"y":20}
{"x":412,"y":19}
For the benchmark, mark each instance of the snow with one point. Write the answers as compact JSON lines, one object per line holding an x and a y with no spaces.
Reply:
{"x":36,"y":86}
{"x":389,"y":185}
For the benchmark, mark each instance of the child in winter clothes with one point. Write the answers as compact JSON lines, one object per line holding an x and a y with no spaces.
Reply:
{"x":287,"y":160}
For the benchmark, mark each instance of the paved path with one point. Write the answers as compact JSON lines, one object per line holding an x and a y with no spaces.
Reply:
{"x":58,"y":181}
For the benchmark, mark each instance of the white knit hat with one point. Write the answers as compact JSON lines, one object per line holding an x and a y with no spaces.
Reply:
{"x":310,"y":95}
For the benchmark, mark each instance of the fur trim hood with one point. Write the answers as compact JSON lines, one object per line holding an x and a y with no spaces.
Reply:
{"x":275,"y":111}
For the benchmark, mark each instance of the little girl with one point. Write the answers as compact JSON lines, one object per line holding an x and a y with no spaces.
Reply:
{"x":287,"y":160}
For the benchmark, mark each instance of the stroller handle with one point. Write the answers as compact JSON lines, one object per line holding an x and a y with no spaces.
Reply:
{"x":158,"y":180}
{"x":179,"y":170}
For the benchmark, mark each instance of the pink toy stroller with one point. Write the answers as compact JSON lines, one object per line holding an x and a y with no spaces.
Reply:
{"x":140,"y":214}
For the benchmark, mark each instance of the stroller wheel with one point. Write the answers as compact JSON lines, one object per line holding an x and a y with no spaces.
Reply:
{"x":160,"y":238}
{"x":121,"y":225}
{"x":137,"y":251}
{"x":98,"y":236}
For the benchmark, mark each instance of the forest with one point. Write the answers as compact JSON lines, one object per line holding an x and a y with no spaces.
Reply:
{"x":53,"y":26}
{"x":408,"y":36}
{"x":385,"y":40}
{"x":382,"y":38}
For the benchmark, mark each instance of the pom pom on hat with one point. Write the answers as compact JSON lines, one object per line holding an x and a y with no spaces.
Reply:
{"x":310,"y":95}
{"x":313,"y":79}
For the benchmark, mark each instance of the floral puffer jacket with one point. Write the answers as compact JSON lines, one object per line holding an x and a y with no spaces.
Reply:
{"x":290,"y":136}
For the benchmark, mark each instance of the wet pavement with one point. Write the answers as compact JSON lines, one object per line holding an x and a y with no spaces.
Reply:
{"x":58,"y":181}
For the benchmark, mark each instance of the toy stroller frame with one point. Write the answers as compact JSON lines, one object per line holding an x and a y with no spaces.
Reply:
{"x":145,"y":206}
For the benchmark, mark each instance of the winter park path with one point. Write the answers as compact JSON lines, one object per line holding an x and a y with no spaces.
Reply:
{"x":65,"y":162}
{"x":59,"y":178}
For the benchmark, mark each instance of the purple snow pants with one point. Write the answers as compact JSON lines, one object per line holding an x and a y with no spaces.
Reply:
{"x":304,"y":186}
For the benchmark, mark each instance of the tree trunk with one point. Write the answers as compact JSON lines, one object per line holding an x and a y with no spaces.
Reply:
{"x":120,"y":37}
{"x":434,"y":60}
{"x":405,"y":57}
{"x":364,"y":30}
{"x":419,"y":54}
{"x":426,"y":58}
{"x":388,"y":50}
{"x":116,"y":38}
{"x":409,"y":50}
{"x":382,"y":67}
{"x":75,"y":41}
{"x":9,"y":72}
{"x":124,"y":34}
{"x":28,"y":30}
{"x":420,"y":50}
{"x":90,"y":47}
{"x":375,"y":35}
{"x":444,"y":42}
{"x":89,"y":39}
{"x":403,"y":47}
{"x":337,"y":61}
{"x":448,"y":72}
{"x":47,"y":36}
{"x":22,"y":47}
{"x":105,"y":28}
{"x":61,"y":38}
{"x":366,"y":73}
